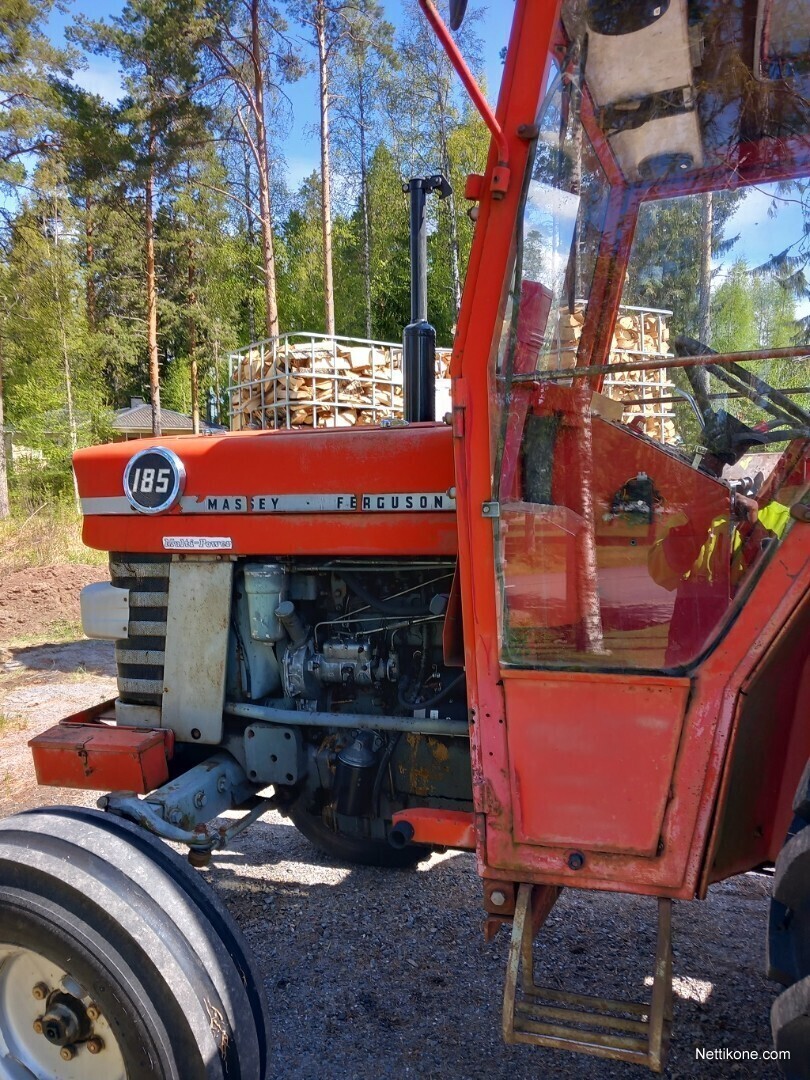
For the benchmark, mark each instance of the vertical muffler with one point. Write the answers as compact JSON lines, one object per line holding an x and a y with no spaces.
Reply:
{"x":419,"y":338}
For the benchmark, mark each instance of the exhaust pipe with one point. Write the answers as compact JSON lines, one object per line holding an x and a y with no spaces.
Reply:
{"x":419,"y":339}
{"x":401,"y":835}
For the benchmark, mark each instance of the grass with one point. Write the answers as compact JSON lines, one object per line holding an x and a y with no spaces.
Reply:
{"x":47,"y":536}
{"x":61,"y":632}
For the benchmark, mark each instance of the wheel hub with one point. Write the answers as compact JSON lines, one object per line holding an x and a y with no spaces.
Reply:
{"x":66,"y":1020}
{"x":49,"y":1025}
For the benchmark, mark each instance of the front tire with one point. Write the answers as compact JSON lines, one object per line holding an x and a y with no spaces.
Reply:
{"x":136,"y":970}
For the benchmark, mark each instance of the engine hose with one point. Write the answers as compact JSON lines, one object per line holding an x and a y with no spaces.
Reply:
{"x":397,"y":610}
{"x":442,"y":694}
{"x":387,"y":754}
{"x":242,"y":655}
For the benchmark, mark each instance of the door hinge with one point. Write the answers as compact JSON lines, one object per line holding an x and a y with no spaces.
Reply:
{"x":491,"y":509}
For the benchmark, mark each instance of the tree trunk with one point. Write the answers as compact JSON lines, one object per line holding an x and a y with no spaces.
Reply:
{"x":454,"y":254}
{"x":364,"y":205}
{"x":192,"y":343}
{"x":151,"y":286}
{"x":251,"y":235}
{"x":326,"y":193}
{"x":63,"y":342}
{"x":263,"y":170}
{"x":5,"y":509}
{"x":705,"y":283}
{"x":90,"y":256}
{"x":444,"y":153}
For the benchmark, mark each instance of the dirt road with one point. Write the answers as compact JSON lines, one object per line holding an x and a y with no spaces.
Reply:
{"x":385,"y":974}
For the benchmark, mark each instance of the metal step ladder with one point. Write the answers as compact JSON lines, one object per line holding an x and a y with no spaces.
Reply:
{"x":542,"y":1016}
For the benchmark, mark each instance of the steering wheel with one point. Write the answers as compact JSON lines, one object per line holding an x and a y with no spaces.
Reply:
{"x":726,"y":437}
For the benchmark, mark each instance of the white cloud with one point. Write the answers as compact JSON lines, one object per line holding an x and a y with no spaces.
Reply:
{"x":100,"y":77}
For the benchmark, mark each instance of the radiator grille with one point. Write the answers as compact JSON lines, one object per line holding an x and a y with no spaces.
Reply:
{"x":140,"y":657}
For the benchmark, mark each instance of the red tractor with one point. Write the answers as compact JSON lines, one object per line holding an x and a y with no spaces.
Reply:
{"x":542,"y":629}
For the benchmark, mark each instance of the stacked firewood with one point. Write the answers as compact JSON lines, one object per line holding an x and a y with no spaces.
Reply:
{"x":637,"y":334}
{"x":319,"y":384}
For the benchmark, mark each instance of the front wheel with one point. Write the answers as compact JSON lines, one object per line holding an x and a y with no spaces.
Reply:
{"x":117,"y":960}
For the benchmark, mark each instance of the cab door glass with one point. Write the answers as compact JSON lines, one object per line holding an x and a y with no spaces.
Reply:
{"x":638,"y":499}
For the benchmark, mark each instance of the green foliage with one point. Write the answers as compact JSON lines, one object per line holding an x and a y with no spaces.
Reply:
{"x":664,"y":269}
{"x":734,"y":322}
{"x":48,"y":346}
{"x":300,"y":261}
{"x":29,"y":103}
{"x":390,"y":249}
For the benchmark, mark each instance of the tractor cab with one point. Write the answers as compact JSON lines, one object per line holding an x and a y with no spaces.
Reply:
{"x":633,"y":553}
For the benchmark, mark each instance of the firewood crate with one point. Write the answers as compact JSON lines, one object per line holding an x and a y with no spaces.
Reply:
{"x":311,"y":380}
{"x":640,"y":333}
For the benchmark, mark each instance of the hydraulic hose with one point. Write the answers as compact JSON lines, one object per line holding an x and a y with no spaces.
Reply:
{"x":399,"y":611}
{"x":430,"y":702}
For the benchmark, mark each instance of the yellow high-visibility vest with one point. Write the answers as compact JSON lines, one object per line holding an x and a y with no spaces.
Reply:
{"x":723,"y":548}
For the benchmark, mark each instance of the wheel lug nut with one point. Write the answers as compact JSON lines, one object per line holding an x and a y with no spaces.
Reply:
{"x":40,"y":991}
{"x":67,"y":1053}
{"x":95,"y":1045}
{"x":38,"y":1025}
{"x":93,"y":1012}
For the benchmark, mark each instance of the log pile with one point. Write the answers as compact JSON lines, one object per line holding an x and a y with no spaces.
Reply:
{"x":322,"y":383}
{"x":637,"y":334}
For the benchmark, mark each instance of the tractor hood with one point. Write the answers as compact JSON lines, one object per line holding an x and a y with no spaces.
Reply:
{"x":380,"y":491}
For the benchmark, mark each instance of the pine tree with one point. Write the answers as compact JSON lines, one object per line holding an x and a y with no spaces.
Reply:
{"x":248,"y":53}
{"x":362,"y":71}
{"x":668,"y":251}
{"x":28,"y":113}
{"x":29,"y":103}
{"x":150,"y":41}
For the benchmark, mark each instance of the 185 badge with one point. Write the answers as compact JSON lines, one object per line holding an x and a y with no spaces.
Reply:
{"x":154,"y":480}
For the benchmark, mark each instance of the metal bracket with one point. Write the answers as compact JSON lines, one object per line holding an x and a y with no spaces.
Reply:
{"x":179,"y":810}
{"x":491,"y":509}
{"x":619,"y":1030}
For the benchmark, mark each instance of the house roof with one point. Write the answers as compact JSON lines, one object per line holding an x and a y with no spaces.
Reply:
{"x":139,"y":418}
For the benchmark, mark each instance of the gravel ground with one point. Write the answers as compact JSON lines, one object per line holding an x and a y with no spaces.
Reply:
{"x":374,"y":973}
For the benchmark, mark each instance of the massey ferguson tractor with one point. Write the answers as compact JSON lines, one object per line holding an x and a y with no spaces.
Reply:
{"x":531,"y":629}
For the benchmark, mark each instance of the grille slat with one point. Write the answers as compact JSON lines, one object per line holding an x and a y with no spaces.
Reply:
{"x":150,"y":657}
{"x":133,"y":691}
{"x":137,"y":568}
{"x":138,"y":628}
{"x":148,"y":599}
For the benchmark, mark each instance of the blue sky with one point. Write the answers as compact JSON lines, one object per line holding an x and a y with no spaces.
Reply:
{"x":760,"y":235}
{"x":300,"y":143}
